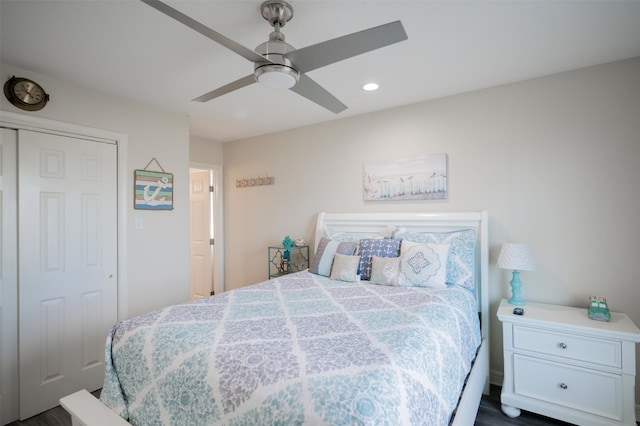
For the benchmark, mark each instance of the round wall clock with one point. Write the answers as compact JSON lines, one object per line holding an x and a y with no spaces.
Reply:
{"x":25,"y":94}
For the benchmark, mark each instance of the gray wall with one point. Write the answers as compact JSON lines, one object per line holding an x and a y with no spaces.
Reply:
{"x":205,"y":151}
{"x":555,"y":161}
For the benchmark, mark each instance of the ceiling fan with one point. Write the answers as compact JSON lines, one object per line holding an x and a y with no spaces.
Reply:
{"x":278,"y":65}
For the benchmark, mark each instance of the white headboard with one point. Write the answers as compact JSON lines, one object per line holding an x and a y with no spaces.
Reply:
{"x":366,"y":224}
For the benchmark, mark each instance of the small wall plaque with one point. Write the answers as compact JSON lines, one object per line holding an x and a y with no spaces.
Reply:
{"x":153,"y":190}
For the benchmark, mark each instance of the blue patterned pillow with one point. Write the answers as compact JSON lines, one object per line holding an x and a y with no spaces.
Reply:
{"x":323,"y":258}
{"x":375,"y":247}
{"x":462,"y":248}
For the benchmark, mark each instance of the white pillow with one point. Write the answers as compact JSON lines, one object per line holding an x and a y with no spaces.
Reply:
{"x":345,"y":267}
{"x":423,"y":265}
{"x":462,"y":249}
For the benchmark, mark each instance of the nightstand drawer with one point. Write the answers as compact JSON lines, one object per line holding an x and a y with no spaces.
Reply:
{"x":571,"y":346}
{"x":590,"y":391}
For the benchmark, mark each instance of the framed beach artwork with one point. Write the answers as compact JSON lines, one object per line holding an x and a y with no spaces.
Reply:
{"x":153,"y":190}
{"x":420,"y":178}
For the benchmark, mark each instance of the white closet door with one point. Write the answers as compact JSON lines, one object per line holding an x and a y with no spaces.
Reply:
{"x":67,"y":262}
{"x":200,"y":224}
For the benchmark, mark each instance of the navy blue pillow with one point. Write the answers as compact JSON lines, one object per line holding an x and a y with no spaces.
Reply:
{"x":375,"y":247}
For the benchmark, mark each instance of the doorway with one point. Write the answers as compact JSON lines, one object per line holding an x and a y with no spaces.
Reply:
{"x":206,"y":241}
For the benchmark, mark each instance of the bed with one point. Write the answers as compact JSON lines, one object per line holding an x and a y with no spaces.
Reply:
{"x":321,"y":346}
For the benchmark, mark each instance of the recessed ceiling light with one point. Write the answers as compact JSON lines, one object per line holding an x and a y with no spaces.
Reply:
{"x":369,"y":87}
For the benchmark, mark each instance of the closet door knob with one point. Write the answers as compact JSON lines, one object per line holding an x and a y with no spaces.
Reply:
{"x":563,"y":345}
{"x":563,"y":386}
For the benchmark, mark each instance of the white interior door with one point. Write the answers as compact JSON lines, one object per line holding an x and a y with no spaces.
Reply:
{"x":200,"y":228}
{"x":8,"y":278}
{"x":67,"y":262}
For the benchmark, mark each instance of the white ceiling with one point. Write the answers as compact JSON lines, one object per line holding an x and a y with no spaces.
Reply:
{"x":129,"y":49}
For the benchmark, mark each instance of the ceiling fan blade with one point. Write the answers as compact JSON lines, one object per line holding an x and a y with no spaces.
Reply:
{"x":206,"y":31}
{"x":331,"y":51}
{"x":238,"y":84}
{"x":311,"y":90}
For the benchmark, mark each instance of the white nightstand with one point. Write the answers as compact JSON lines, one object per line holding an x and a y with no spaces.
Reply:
{"x":561,"y":364}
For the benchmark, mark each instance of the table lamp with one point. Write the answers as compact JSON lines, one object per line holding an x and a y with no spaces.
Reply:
{"x":518,"y":258}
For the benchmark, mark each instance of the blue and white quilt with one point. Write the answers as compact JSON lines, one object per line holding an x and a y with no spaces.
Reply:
{"x":299,"y":349}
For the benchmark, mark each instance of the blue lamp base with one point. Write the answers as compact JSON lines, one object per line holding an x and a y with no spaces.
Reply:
{"x":516,"y":284}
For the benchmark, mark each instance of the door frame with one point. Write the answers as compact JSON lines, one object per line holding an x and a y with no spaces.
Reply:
{"x":218,"y":223}
{"x":38,"y":124}
{"x":9,"y":398}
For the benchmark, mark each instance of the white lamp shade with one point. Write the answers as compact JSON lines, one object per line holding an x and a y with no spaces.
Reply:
{"x":516,"y":256}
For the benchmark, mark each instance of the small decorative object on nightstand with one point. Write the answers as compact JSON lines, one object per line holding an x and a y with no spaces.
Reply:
{"x":598,"y":309}
{"x":518,"y":258}
{"x":287,"y":242}
{"x":561,"y":364}
{"x":285,"y":259}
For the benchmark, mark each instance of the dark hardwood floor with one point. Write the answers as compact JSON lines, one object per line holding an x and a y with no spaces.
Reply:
{"x":57,"y":416}
{"x":489,"y":414}
{"x":54,"y":417}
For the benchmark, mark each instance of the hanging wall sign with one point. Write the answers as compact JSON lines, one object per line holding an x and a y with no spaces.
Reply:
{"x":153,"y":190}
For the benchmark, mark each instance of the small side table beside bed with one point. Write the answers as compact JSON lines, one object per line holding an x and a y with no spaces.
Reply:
{"x":561,"y":364}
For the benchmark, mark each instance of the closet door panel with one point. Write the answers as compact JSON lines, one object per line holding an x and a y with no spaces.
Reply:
{"x":67,"y":265}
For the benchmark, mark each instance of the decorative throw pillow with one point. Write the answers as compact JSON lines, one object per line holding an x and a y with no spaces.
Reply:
{"x":375,"y":247}
{"x":423,"y":265}
{"x":385,"y":270}
{"x":462,"y":251}
{"x":345,"y":267}
{"x":323,"y":258}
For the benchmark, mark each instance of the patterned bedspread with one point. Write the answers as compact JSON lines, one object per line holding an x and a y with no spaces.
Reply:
{"x":300,"y":349}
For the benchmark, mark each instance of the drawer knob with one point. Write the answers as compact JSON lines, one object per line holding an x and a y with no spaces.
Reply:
{"x":563,"y":345}
{"x":563,"y":386}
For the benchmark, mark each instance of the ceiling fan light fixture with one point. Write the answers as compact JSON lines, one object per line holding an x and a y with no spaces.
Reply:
{"x":276,"y":76}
